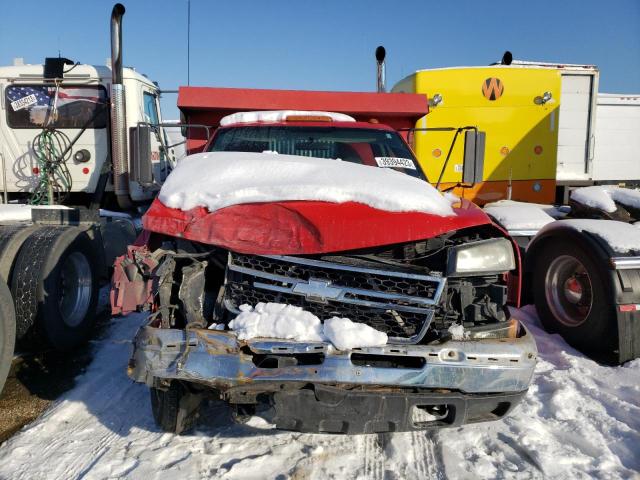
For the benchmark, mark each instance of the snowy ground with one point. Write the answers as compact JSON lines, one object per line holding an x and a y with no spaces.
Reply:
{"x":579,"y":420}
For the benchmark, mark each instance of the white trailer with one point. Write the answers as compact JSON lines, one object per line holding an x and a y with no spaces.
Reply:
{"x":617,"y":144}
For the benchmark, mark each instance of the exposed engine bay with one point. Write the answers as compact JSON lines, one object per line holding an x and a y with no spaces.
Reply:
{"x":402,"y":290}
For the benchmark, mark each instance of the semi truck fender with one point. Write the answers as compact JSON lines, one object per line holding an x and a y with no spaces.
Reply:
{"x":621,"y":274}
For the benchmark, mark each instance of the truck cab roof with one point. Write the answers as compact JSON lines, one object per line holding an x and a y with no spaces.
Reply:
{"x":79,"y":73}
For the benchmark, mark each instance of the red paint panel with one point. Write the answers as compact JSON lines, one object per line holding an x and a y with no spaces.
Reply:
{"x":299,"y":227}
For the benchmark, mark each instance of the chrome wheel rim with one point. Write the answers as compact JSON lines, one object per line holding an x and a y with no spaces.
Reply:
{"x":568,"y":291}
{"x":76,"y":285}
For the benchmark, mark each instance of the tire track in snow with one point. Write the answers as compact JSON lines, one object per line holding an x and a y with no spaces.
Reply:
{"x":426,"y":453}
{"x":373,"y":456}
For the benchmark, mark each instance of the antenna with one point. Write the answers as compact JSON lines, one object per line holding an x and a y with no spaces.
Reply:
{"x":188,"y":42}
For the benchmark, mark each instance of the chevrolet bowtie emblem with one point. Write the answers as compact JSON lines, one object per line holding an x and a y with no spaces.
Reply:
{"x":317,"y":289}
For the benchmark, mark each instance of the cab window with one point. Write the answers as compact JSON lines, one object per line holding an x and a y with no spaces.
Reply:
{"x":69,"y":106}
{"x":150,"y":108}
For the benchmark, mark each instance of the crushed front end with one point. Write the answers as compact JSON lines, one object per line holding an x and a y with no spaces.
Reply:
{"x":454,"y":354}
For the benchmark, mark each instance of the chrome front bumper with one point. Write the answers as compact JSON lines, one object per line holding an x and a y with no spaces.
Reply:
{"x":219,"y":360}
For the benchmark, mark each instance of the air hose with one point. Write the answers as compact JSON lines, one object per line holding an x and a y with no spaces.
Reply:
{"x":52,"y":150}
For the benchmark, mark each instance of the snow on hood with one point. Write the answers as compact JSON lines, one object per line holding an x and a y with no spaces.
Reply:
{"x":220,"y":179}
{"x":604,"y":197}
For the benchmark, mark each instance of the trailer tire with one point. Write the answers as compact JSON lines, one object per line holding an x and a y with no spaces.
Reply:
{"x":174,"y":409}
{"x":7,"y":332}
{"x":572,"y":296}
{"x":55,"y":287}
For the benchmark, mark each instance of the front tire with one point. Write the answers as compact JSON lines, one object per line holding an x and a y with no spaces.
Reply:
{"x":175,"y":409}
{"x":572,"y":296}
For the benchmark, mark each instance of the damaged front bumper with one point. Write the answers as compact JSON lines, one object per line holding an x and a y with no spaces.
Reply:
{"x":315,"y":387}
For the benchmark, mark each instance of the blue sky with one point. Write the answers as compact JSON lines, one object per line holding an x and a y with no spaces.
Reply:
{"x":327,"y":44}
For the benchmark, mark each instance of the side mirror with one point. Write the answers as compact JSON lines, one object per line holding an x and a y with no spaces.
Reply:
{"x":141,"y":169}
{"x":473,"y":166}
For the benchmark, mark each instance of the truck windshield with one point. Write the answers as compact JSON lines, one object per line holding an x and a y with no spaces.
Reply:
{"x":38,"y":106}
{"x":377,"y":148}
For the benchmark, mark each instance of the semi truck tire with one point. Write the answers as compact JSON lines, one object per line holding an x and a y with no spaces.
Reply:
{"x":174,"y":409}
{"x":11,"y":239}
{"x":572,"y":293}
{"x":55,"y":287}
{"x":7,"y":332}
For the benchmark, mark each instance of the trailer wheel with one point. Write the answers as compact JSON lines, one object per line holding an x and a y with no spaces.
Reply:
{"x":174,"y":409}
{"x":7,"y":332}
{"x":55,"y":287}
{"x":570,"y":294}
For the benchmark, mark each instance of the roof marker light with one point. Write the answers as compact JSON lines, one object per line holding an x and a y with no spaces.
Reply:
{"x":307,"y":118}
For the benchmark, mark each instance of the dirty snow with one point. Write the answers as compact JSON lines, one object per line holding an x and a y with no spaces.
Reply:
{"x":277,"y":320}
{"x":219,"y":179}
{"x":345,"y":334}
{"x":604,"y":197}
{"x":279,"y":116}
{"x":518,"y":216}
{"x":621,"y":237}
{"x":579,"y":420}
{"x":457,"y":331}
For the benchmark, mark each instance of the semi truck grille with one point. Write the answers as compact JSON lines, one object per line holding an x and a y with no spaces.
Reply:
{"x":397,"y":303}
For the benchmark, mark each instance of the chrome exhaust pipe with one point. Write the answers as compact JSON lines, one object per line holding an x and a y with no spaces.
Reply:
{"x":381,"y":80}
{"x":119,"y":157}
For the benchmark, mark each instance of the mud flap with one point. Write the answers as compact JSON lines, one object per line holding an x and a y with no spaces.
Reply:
{"x":337,"y":410}
{"x":188,"y":411}
{"x":627,"y":298}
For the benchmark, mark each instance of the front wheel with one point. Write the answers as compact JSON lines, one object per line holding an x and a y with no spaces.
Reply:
{"x":572,"y":296}
{"x":175,"y":409}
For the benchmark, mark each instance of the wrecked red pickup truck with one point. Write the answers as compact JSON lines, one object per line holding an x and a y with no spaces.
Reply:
{"x":268,"y":227}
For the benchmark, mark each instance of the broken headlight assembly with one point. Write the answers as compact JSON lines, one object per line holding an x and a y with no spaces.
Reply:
{"x":479,"y":258}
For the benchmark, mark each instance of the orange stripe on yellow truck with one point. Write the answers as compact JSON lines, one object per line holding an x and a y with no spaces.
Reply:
{"x":509,"y":104}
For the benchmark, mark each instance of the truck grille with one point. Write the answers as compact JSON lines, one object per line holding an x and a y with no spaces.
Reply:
{"x":397,"y":303}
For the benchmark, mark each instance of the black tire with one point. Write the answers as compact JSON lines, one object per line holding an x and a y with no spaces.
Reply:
{"x":11,"y":239}
{"x":7,"y":332}
{"x":165,"y":405}
{"x":175,"y":409}
{"x":55,"y":288}
{"x":579,"y":308}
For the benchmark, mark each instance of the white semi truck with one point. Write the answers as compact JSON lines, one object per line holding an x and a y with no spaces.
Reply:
{"x":71,"y":189}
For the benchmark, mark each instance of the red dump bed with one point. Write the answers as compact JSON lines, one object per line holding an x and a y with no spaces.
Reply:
{"x":207,"y":105}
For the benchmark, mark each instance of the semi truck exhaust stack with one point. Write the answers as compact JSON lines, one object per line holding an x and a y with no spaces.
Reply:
{"x":380,"y":54}
{"x":119,"y":157}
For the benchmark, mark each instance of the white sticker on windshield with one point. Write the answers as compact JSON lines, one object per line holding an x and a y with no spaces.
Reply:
{"x":24,"y":102}
{"x":395,"y":162}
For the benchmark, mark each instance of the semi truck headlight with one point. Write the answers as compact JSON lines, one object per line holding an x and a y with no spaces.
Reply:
{"x":485,"y":256}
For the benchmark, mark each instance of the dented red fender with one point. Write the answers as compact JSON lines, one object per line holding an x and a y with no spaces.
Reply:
{"x":305,"y":227}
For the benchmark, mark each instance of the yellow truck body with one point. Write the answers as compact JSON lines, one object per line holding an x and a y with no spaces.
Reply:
{"x":517,"y":107}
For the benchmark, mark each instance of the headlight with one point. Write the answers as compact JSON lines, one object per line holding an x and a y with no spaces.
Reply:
{"x":495,"y":255}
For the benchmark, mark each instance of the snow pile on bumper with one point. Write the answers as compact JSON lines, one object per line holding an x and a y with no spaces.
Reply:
{"x":288,"y":322}
{"x":518,"y":216}
{"x":220,"y":179}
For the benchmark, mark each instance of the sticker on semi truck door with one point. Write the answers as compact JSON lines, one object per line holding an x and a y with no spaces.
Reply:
{"x":24,"y":102}
{"x":395,"y":162}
